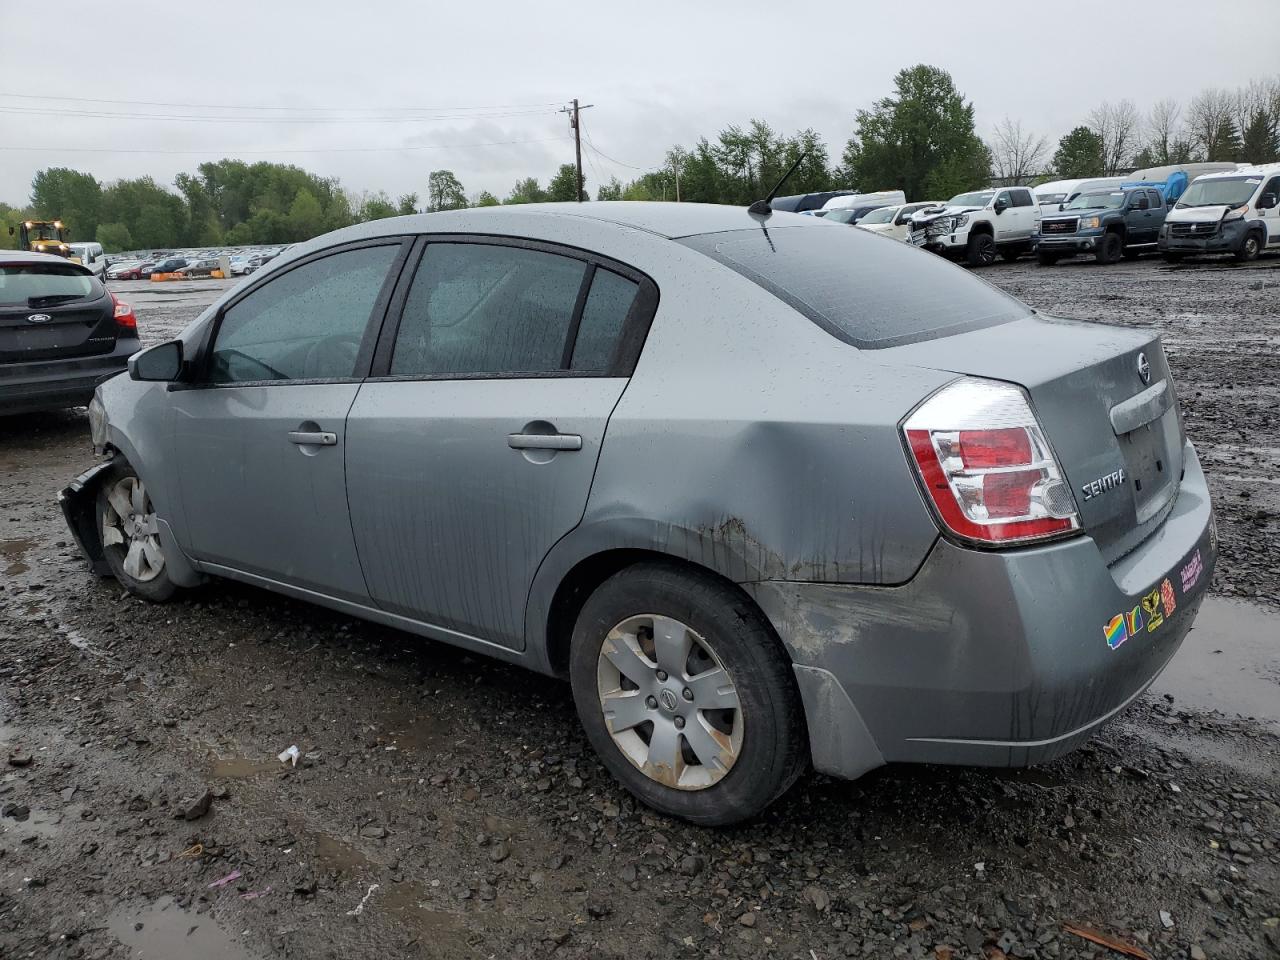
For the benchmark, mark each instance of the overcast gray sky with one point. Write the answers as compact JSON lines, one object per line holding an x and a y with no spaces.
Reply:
{"x":493,"y":72}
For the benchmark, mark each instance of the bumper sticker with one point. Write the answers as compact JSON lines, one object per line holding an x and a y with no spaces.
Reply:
{"x":1151,"y":605}
{"x":1191,"y":573}
{"x":1115,"y":631}
{"x":1166,"y":594}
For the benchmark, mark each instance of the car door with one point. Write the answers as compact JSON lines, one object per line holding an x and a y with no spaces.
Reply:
{"x":1137,"y":216}
{"x":1026,"y":211}
{"x":471,"y":449}
{"x":1270,"y":215}
{"x":1006,"y":220}
{"x":260,"y":434}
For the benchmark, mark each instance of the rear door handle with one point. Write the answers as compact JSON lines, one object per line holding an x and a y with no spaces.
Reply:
{"x":318,"y":438}
{"x":544,"y":441}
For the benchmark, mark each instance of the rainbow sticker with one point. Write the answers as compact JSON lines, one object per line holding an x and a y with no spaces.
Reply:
{"x":1115,"y":631}
{"x":1133,"y":621}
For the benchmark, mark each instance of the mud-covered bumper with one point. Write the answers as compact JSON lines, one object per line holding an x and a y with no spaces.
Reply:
{"x":1226,"y":238}
{"x":995,"y":658}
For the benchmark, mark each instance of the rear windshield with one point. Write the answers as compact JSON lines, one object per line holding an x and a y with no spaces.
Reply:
{"x":862,"y":288}
{"x":43,"y":284}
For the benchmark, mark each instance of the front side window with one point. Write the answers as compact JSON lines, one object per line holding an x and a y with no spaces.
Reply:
{"x":306,"y":323}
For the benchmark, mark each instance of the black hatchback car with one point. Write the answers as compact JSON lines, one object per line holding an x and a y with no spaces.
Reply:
{"x":61,"y":333}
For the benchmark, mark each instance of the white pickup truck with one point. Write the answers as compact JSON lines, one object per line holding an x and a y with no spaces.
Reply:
{"x":979,"y":225}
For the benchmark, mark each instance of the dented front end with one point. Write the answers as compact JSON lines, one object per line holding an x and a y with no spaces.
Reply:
{"x":78,"y":501}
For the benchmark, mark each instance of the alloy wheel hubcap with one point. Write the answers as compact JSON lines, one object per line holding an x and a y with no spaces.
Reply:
{"x":668,"y":702}
{"x":129,"y":522}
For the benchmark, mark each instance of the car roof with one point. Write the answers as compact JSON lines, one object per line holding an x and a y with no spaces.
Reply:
{"x":19,"y":256}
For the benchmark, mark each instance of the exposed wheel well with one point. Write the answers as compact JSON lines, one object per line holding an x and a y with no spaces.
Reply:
{"x":580,"y":582}
{"x":978,"y":228}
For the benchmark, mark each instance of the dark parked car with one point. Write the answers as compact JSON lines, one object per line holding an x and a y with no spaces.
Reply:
{"x":61,"y":333}
{"x":767,"y":493}
{"x":200,"y":268}
{"x":171,"y":265}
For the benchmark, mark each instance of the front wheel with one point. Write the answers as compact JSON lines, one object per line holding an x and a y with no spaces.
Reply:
{"x":980,"y":250}
{"x":130,"y":535}
{"x":1109,"y":249}
{"x":1249,"y":248}
{"x":686,"y":694}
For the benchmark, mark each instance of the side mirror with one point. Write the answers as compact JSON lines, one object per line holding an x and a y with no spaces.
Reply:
{"x":1265,"y":202}
{"x":160,"y":364}
{"x":1001,"y":205}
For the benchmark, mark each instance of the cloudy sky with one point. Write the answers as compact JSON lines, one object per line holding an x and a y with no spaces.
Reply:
{"x":328,"y":85}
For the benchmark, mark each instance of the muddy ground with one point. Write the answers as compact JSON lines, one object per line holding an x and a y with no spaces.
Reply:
{"x":446,"y":806}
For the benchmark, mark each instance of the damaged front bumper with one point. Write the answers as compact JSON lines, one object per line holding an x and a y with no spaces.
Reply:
{"x":992,"y":658}
{"x":78,"y":501}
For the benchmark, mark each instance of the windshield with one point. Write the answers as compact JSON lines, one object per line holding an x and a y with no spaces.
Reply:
{"x":1093,"y":201}
{"x":840,"y":216}
{"x":1047,"y":198}
{"x":43,"y":231}
{"x":978,"y":199}
{"x":26,"y":282}
{"x":1227,"y":191}
{"x":859,"y":289}
{"x":883,"y":215}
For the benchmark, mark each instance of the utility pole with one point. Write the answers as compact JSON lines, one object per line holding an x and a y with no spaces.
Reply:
{"x":577,"y":137}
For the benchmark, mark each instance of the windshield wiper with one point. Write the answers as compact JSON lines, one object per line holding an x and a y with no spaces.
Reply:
{"x":52,"y":299}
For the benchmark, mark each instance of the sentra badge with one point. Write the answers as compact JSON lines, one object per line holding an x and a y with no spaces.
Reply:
{"x":1096,"y":488}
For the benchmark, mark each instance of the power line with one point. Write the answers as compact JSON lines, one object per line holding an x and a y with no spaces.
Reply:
{"x":246,"y":106}
{"x":379,"y":149}
{"x":189,"y":118}
{"x":605,"y":156}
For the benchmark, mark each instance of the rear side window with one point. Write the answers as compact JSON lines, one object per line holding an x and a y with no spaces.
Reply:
{"x":860,"y":289}
{"x":603,"y":318}
{"x":305,"y":324}
{"x":45,"y":285}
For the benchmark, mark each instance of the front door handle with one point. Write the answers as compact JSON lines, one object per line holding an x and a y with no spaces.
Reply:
{"x":544,"y":441}
{"x":318,"y":438}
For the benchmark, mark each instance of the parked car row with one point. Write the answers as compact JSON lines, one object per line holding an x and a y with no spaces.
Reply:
{"x":197,"y":264}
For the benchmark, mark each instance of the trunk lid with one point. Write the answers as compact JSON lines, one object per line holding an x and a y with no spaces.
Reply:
{"x":1097,"y":410}
{"x":51,"y":312}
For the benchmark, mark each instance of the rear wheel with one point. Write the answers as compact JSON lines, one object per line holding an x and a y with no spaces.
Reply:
{"x":1047,"y":259}
{"x":686,"y":694}
{"x":980,"y":250}
{"x":1249,"y":248}
{"x":1110,"y":248}
{"x":130,"y":535}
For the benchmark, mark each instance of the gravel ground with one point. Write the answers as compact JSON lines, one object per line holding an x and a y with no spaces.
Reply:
{"x":446,"y":806}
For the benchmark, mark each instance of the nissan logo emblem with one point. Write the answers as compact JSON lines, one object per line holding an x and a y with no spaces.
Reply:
{"x":1144,"y":368}
{"x":39,"y":318}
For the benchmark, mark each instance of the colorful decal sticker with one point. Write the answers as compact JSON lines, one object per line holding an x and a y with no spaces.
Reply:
{"x":1115,"y":631}
{"x":1133,"y":621}
{"x":1151,"y":604}
{"x":1166,"y":594}
{"x":1191,"y":573}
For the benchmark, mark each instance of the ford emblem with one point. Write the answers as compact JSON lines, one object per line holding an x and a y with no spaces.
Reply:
{"x":1144,"y":368}
{"x":39,"y":318}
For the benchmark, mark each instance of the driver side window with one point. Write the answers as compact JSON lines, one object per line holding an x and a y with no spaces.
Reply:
{"x":306,"y":324}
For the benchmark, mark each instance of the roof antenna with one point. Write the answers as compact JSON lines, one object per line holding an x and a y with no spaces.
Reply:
{"x":762,"y":208}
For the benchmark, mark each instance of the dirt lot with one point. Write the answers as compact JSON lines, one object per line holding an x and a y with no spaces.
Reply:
{"x":446,"y":806}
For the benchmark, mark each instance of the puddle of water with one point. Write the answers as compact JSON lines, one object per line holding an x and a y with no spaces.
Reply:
{"x":168,"y":931}
{"x":238,"y":768}
{"x":13,"y":569}
{"x":40,"y":823}
{"x":13,"y":548}
{"x":333,"y":854}
{"x":1230,"y":661}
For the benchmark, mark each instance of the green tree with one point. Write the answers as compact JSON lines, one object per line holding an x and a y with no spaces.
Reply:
{"x":377,"y":206}
{"x":157,"y":227}
{"x":610,"y":191}
{"x":920,"y":139}
{"x":114,"y":237}
{"x":486,"y":199}
{"x":306,"y":216}
{"x":1079,"y":154}
{"x":444,"y":192}
{"x":70,"y":196}
{"x":526,"y":191}
{"x":564,"y":185}
{"x":10,"y":217}
{"x":1260,"y":138}
{"x":155,"y":217}
{"x":1225,"y":142}
{"x":406,"y":204}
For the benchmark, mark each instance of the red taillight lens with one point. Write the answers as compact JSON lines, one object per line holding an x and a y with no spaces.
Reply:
{"x":987,"y":467}
{"x":124,"y":314}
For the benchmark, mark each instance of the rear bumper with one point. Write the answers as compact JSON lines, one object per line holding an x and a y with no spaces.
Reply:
{"x":54,"y":384}
{"x":1226,"y":239}
{"x":993,"y":658}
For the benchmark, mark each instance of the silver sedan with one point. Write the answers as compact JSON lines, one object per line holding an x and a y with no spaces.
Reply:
{"x":771,"y":493}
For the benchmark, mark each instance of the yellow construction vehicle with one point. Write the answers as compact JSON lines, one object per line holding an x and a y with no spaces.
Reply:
{"x":43,"y":236}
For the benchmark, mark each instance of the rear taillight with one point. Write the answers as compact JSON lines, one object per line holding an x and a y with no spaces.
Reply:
{"x":124,"y":314}
{"x":985,"y":463}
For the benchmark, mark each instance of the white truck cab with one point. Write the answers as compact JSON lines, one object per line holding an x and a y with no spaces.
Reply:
{"x":979,"y":225}
{"x":89,"y":254}
{"x":1236,"y":212}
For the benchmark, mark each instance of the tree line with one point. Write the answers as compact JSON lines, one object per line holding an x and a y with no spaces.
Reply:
{"x":921,"y":138}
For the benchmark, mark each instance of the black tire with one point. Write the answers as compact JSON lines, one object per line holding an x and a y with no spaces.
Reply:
{"x":1047,"y":259}
{"x":157,"y":588}
{"x":1250,"y":247}
{"x":981,"y":250}
{"x":1173,"y":258}
{"x":1109,"y":250}
{"x":774,"y":746}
